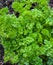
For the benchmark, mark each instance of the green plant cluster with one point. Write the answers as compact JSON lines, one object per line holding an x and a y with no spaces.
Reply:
{"x":28,"y":38}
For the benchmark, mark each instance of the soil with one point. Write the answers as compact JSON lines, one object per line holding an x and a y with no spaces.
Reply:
{"x":1,"y":54}
{"x":51,"y":3}
{"x":8,"y":3}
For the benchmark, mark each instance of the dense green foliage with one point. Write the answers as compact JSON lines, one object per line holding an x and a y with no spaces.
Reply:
{"x":27,"y":39}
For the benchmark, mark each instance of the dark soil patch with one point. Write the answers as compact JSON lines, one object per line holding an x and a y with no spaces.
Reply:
{"x":51,"y":3}
{"x":1,"y":54}
{"x":8,"y":63}
{"x":6,"y":3}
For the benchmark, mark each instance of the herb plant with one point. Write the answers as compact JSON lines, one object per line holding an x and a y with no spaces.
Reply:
{"x":28,"y":38}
